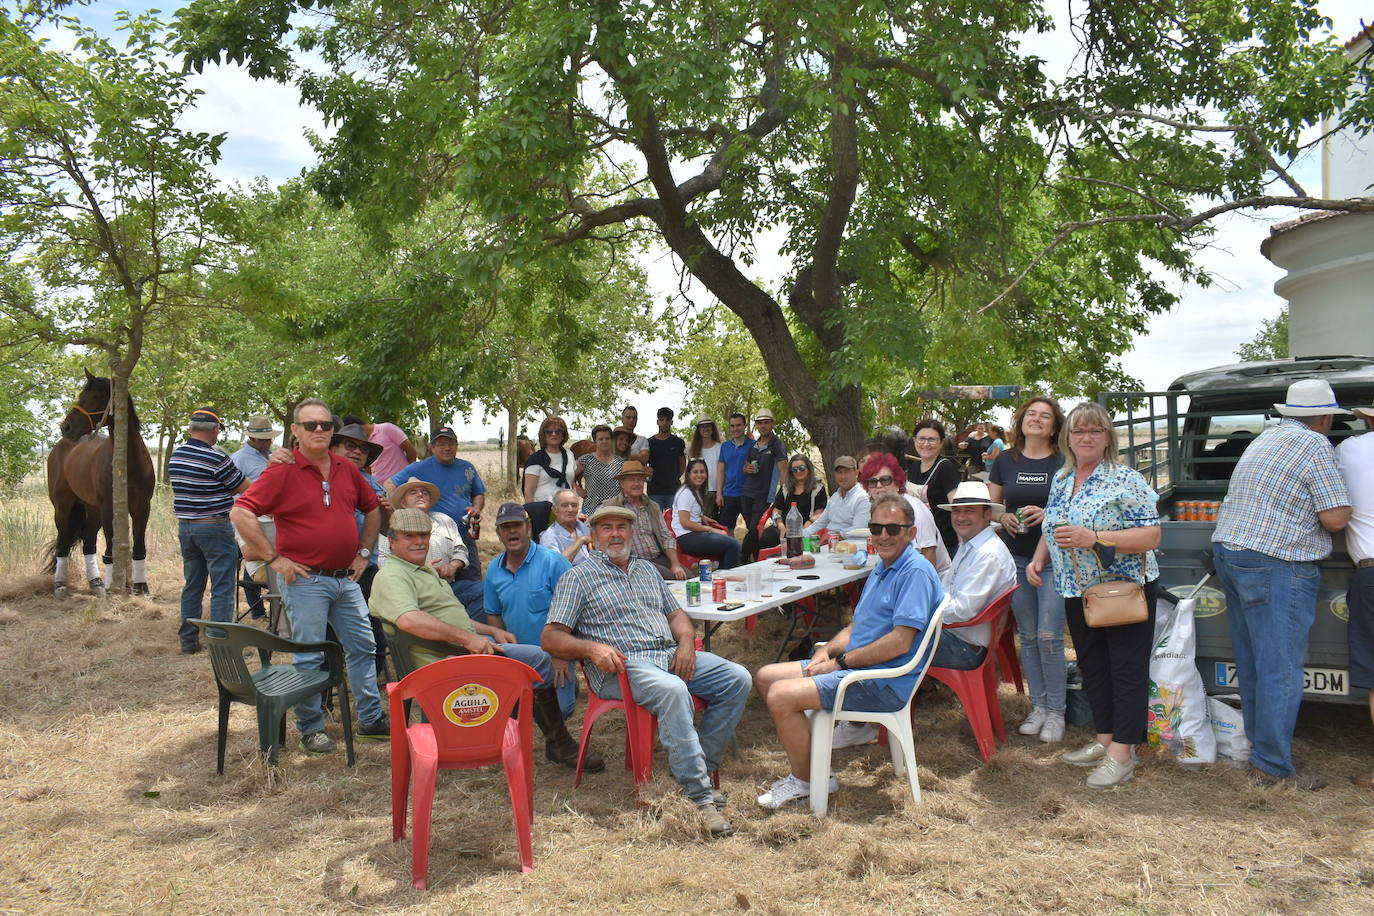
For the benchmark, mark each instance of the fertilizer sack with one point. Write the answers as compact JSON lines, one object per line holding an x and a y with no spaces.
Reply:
{"x":1177,"y":716}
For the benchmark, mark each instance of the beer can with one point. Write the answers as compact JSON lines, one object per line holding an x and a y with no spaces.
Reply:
{"x":705,"y":571}
{"x":812,"y":544}
{"x":718,"y":590}
{"x":693,"y":593}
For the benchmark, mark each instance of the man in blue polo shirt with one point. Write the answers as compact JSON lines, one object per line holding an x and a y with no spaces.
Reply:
{"x":460,"y":489}
{"x":730,"y":471}
{"x":519,"y":588}
{"x":204,"y":481}
{"x":895,"y":608}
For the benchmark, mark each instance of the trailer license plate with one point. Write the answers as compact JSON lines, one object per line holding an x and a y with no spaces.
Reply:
{"x":1321,"y":681}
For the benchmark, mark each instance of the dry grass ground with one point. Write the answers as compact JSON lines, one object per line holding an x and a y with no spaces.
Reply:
{"x":111,"y":804}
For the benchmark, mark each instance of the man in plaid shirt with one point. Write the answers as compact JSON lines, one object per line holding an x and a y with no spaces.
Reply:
{"x":615,"y":611}
{"x":1285,"y":498}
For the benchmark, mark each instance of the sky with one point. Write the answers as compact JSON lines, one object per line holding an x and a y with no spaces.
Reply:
{"x":267,"y":137}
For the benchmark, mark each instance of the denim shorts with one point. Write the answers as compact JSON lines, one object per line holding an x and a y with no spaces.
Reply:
{"x":865,"y":696}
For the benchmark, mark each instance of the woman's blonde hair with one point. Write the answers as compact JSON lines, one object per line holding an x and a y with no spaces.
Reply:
{"x":1091,"y":413}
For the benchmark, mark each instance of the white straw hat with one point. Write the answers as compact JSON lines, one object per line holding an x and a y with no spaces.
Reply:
{"x":1310,"y":397}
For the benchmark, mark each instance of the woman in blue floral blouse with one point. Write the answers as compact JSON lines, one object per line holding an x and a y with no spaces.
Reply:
{"x":1102,"y":514}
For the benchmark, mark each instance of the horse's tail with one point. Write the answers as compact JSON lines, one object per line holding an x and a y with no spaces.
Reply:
{"x":76,"y":522}
{"x":50,"y":557}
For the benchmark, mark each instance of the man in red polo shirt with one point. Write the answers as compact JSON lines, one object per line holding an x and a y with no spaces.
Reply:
{"x":319,"y":556}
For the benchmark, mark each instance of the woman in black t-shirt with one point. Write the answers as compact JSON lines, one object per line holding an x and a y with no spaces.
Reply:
{"x":801,"y":487}
{"x":1020,"y":479}
{"x":936,"y":475}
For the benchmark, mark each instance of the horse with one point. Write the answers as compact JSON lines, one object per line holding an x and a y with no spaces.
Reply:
{"x":81,"y":485}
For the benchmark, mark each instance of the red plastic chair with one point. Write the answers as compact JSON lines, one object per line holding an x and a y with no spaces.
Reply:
{"x":977,"y":688}
{"x":1009,"y":660}
{"x":468,"y":701}
{"x":641,"y":728}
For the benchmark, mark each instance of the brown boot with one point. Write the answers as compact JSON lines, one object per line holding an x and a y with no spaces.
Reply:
{"x":559,"y":746}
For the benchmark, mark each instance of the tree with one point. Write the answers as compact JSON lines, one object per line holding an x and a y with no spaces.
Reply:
{"x":911,"y":153}
{"x":1270,"y":343}
{"x":110,"y":211}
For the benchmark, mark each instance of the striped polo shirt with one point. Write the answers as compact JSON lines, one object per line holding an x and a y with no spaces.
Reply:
{"x":203,"y":480}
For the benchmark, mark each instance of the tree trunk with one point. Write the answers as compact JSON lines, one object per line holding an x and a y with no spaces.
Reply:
{"x":119,"y":490}
{"x":512,"y":450}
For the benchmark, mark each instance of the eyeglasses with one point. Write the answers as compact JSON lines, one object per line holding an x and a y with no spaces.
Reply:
{"x":311,"y":425}
{"x":1096,"y":431}
{"x":324,"y":485}
{"x":927,"y":440}
{"x":893,"y":529}
{"x":798,"y":468}
{"x":551,"y":430}
{"x":884,"y":481}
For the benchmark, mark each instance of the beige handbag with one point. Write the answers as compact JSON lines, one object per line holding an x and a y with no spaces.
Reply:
{"x":1113,"y":600}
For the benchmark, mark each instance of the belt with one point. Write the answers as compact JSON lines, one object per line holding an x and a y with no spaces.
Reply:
{"x":331,"y":573}
{"x":1365,"y":563}
{"x":211,"y":520}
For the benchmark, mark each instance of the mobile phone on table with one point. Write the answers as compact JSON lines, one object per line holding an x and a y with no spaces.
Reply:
{"x":790,"y":588}
{"x":731,"y":606}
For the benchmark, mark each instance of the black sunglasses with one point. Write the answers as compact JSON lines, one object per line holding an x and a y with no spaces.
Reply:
{"x":893,"y":529}
{"x":311,"y":425}
{"x":885,"y":480}
{"x":798,"y":467}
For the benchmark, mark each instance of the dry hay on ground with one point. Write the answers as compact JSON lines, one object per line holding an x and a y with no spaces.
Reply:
{"x":111,"y":804}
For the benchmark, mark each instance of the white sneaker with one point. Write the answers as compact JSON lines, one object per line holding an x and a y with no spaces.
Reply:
{"x":790,"y":788}
{"x":1034,"y":722}
{"x":1089,"y":755}
{"x":1111,"y":773}
{"x":1052,"y":732}
{"x":852,"y":734}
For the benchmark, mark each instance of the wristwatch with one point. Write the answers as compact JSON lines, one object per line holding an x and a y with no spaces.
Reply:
{"x":364,"y":552}
{"x":839,"y":660}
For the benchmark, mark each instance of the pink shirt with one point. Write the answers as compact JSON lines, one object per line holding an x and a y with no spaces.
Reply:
{"x":389,"y":436}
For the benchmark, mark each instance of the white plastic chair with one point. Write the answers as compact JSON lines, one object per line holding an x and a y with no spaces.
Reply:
{"x":900,"y":741}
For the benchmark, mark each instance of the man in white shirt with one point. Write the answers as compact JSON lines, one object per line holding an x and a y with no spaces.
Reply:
{"x":639,"y":450}
{"x":982,"y":569}
{"x":568,"y":535}
{"x":1355,"y":456}
{"x":848,"y":506}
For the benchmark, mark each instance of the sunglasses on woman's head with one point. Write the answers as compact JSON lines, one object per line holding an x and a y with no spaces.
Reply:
{"x":885,"y":480}
{"x":893,"y":529}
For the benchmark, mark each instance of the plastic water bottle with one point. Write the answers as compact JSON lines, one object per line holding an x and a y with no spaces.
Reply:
{"x":794,"y":532}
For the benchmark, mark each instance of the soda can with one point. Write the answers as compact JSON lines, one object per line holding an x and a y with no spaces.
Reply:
{"x":868,"y":548}
{"x":718,"y":590}
{"x":1185,"y":510}
{"x":812,"y":544}
{"x":693,"y":593}
{"x":705,"y":574}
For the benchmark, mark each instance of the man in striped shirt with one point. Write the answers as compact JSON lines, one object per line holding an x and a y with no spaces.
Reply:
{"x":204,"y":481}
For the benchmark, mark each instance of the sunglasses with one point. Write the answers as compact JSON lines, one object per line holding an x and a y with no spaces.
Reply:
{"x":893,"y":529}
{"x":885,"y":481}
{"x":311,"y":425}
{"x":351,"y":445}
{"x":798,"y":467}
{"x":324,"y":485}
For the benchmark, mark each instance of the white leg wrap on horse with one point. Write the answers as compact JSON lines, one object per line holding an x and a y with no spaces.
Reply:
{"x":140,"y":570}
{"x":109,"y":574}
{"x":92,"y":570}
{"x":59,"y":573}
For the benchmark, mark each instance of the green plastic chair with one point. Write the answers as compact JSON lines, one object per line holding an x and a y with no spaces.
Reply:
{"x":272,"y":689}
{"x":398,"y":646}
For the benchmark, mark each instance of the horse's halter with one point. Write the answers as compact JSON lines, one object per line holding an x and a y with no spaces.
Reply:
{"x":96,"y":418}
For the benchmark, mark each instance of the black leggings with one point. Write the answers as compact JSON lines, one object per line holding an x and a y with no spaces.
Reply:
{"x":1115,"y":664}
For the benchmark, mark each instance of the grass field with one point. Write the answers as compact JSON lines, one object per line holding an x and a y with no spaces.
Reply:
{"x":111,"y":804}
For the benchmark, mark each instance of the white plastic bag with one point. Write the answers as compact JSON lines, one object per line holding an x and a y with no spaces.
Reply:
{"x":1228,"y":726}
{"x":1177,"y":716}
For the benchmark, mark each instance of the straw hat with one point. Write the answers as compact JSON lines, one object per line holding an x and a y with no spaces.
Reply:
{"x":973,"y":493}
{"x":1310,"y":397}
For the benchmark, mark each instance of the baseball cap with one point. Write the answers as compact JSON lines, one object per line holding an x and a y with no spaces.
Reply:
{"x":443,"y":431}
{"x":511,"y":512}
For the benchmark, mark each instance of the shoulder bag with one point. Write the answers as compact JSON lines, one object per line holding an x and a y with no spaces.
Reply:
{"x":1112,"y":600}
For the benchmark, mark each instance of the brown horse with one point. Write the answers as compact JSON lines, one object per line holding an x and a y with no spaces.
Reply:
{"x":81,"y":484}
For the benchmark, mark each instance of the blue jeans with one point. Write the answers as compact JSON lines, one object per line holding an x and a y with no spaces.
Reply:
{"x":953,"y":652}
{"x":208,"y":551}
{"x":729,"y":512}
{"x":312,"y":602}
{"x":471,"y":593}
{"x":1272,"y":604}
{"x":1039,"y":616}
{"x":692,"y":752}
{"x":712,"y":544}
